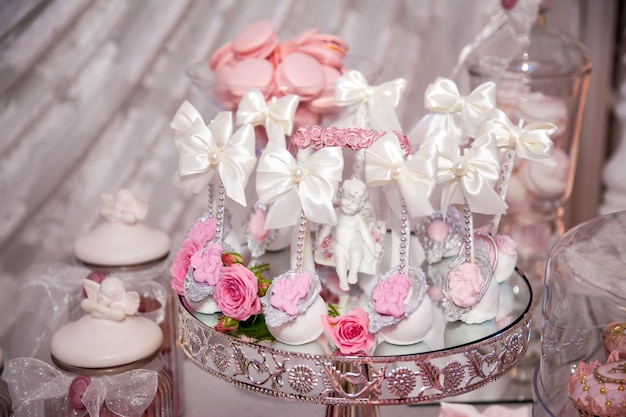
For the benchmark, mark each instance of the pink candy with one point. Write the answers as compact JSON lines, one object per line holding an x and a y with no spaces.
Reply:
{"x":307,"y":65}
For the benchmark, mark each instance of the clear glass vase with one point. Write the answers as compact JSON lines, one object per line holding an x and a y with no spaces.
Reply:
{"x":545,"y":82}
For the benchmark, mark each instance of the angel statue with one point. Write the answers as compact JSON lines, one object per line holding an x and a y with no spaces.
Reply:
{"x":109,"y":300}
{"x":355,"y":244}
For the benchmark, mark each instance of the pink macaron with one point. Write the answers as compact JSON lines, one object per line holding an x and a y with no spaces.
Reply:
{"x":326,"y":99}
{"x":224,"y":55}
{"x":258,"y":40}
{"x":300,"y":74}
{"x":327,"y":49}
{"x":250,"y":73}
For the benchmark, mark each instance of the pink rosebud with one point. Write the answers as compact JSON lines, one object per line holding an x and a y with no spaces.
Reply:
{"x":230,"y":258}
{"x":389,"y":295}
{"x":207,"y":264}
{"x":287,"y":292}
{"x":349,"y":331}
{"x":226,"y":325}
{"x":180,"y":264}
{"x":464,"y":285}
{"x":236,"y":292}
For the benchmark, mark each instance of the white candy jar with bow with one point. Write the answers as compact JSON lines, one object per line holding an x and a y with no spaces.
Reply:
{"x":122,"y":245}
{"x":107,"y":363}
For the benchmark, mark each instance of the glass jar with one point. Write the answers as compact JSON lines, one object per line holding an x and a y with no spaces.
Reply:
{"x":125,"y":248}
{"x":546,"y":81}
{"x":81,"y":378}
{"x":585,"y":292}
{"x":5,"y":397}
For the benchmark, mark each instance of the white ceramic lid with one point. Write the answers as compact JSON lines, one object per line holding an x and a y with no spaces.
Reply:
{"x":122,"y":240}
{"x":110,"y":335}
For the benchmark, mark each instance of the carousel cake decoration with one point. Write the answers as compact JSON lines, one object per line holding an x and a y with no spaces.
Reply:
{"x":360,"y":202}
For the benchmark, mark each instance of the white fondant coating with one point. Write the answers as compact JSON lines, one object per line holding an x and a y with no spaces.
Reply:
{"x":303,"y":329}
{"x":458,"y":333}
{"x":206,"y":306}
{"x":507,"y":301}
{"x":411,"y":329}
{"x":388,"y":349}
{"x":487,"y":307}
{"x":310,"y":348}
{"x":505,"y":267}
{"x":120,"y":244}
{"x":99,"y":343}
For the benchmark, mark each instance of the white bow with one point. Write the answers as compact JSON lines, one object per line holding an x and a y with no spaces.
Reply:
{"x":201,"y":157}
{"x":183,"y":120}
{"x":471,"y":175}
{"x":292,"y":184}
{"x":126,"y":394}
{"x":372,"y":106}
{"x":277,"y":116}
{"x":531,"y":141}
{"x":459,"y":115}
{"x":411,"y":179}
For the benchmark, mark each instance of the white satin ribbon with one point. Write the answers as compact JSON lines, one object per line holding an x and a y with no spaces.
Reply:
{"x":277,"y":116}
{"x":531,"y":141}
{"x":411,"y":179}
{"x":202,"y":157}
{"x":183,"y":120}
{"x":292,"y":186}
{"x":127,"y":394}
{"x":471,"y":175}
{"x":371,"y":106}
{"x":459,"y":115}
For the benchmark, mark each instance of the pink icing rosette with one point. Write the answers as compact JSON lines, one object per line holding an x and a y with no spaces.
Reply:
{"x":207,"y":264}
{"x":289,"y":296}
{"x":389,"y":295}
{"x":288,"y":292}
{"x":396,"y":295}
{"x":464,"y":286}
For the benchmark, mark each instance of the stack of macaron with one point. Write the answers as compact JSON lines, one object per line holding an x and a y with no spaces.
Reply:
{"x":307,"y":65}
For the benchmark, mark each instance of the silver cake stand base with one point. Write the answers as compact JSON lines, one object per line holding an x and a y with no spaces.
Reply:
{"x":356,"y":386}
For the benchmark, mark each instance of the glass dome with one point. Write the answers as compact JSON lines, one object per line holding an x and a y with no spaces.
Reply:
{"x":585,"y":291}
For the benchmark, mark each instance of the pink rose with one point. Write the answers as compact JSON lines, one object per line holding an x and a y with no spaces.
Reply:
{"x":236,"y":292}
{"x":464,"y":285}
{"x":389,"y":295}
{"x":207,"y":264}
{"x":349,"y":331}
{"x":202,"y":231}
{"x":180,"y":264}
{"x":287,"y":292}
{"x":506,"y":245}
{"x":256,"y":226}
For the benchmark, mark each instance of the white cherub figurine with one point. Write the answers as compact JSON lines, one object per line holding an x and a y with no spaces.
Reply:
{"x":109,"y":300}
{"x":355,"y":244}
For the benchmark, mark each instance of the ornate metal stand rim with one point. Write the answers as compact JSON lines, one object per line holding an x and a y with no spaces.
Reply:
{"x":355,"y":381}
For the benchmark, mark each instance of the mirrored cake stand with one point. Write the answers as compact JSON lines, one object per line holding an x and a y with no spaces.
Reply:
{"x":465,"y":358}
